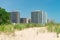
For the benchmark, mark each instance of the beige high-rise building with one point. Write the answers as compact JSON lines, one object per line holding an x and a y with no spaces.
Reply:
{"x":39,"y":17}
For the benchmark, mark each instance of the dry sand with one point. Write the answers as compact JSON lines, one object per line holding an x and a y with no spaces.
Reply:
{"x":31,"y":34}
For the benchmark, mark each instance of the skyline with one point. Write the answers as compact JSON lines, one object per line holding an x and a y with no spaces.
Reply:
{"x":52,"y":7}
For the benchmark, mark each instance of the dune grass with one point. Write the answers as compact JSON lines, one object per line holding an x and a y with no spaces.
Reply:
{"x":20,"y":26}
{"x":54,"y":28}
{"x":8,"y":28}
{"x":23,"y":26}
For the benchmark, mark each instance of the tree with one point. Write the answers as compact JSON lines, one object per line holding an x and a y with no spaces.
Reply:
{"x":4,"y":16}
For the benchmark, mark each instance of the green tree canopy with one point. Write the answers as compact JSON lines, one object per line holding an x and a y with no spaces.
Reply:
{"x":4,"y":16}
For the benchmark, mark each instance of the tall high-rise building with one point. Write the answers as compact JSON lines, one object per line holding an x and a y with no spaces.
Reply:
{"x":15,"y":17}
{"x":38,"y":17}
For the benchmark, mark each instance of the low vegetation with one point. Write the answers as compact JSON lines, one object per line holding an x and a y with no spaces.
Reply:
{"x":7,"y":29}
{"x":4,"y":16}
{"x":20,"y":26}
{"x":54,"y":27}
{"x":10,"y":28}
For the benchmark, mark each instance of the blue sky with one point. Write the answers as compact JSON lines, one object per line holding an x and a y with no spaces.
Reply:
{"x":52,"y":7}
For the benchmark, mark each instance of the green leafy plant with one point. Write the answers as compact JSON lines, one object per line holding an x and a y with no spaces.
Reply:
{"x":4,"y":16}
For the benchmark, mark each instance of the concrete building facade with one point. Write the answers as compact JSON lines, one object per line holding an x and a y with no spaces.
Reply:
{"x":15,"y":17}
{"x":25,"y":20}
{"x":39,"y":17}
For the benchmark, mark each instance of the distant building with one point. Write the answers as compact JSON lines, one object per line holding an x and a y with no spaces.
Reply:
{"x":15,"y":17}
{"x":24,"y":20}
{"x":50,"y":20}
{"x":38,"y":17}
{"x":29,"y":20}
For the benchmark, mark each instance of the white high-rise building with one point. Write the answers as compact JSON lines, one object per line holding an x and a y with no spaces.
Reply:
{"x":39,"y":17}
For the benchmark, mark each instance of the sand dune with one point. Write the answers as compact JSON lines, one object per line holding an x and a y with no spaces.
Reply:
{"x":31,"y":34}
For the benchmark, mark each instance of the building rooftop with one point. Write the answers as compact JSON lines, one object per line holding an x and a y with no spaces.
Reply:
{"x":36,"y":10}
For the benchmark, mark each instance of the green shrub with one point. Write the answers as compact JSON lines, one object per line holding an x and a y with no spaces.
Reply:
{"x":30,"y":25}
{"x":34,"y":25}
{"x":57,"y":30}
{"x":54,"y":28}
{"x":20,"y":26}
{"x":49,"y":28}
{"x":8,"y":28}
{"x":1,"y":28}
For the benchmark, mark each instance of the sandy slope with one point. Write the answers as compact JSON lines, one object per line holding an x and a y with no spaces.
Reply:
{"x":31,"y":34}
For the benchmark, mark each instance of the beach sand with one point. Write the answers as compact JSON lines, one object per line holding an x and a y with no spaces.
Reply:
{"x":36,"y":33}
